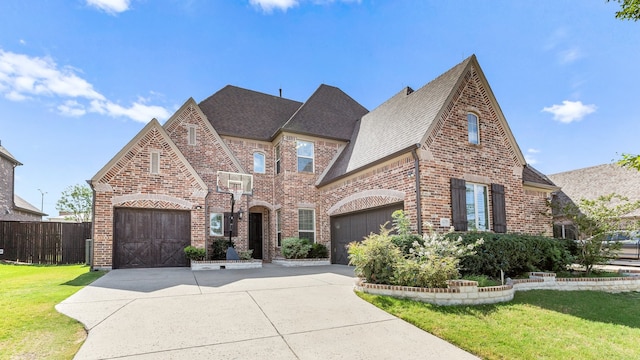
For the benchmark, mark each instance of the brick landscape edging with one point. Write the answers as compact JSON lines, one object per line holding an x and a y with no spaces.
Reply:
{"x":465,"y":292}
{"x":301,"y":262}
{"x":225,"y":264}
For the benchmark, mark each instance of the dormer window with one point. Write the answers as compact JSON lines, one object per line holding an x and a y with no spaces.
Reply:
{"x":474,"y":128}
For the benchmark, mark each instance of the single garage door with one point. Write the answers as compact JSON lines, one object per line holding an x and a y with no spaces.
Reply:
{"x":147,"y":238}
{"x":355,"y":227}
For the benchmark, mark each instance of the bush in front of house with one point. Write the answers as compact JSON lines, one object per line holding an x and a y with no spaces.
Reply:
{"x":195,"y":254}
{"x":295,"y":248}
{"x":375,"y":258}
{"x":318,"y":251}
{"x":515,"y":254}
{"x":219,"y":249}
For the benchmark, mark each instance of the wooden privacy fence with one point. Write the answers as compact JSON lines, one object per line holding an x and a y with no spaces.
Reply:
{"x":44,"y":242}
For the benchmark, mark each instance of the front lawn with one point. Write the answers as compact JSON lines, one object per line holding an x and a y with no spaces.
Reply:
{"x":539,"y":324}
{"x":30,"y":326}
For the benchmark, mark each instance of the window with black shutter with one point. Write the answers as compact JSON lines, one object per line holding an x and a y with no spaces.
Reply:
{"x":459,"y":204}
{"x":498,"y":207}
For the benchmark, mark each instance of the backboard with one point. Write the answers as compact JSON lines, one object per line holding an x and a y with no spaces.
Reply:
{"x":234,"y":183}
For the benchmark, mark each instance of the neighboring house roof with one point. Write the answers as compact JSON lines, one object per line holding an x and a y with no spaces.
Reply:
{"x":234,"y":111}
{"x":21,"y":204}
{"x":593,"y":182}
{"x":7,"y":155}
{"x":328,"y":113}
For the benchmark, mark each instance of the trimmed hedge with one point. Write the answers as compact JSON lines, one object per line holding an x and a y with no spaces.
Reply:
{"x":515,"y":254}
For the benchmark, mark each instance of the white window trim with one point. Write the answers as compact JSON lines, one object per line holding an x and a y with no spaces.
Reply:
{"x":312,"y":157}
{"x":314,"y":223}
{"x":486,"y":204}
{"x":264,"y":162}
{"x":192,"y":129}
{"x":154,"y":162}
{"x":277,"y":155}
{"x":477,"y":128}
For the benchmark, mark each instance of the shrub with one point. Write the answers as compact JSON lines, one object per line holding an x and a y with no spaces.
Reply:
{"x":318,"y":251}
{"x":434,"y":261}
{"x":295,"y":248}
{"x":515,"y":254}
{"x":405,"y":238}
{"x":219,"y":249}
{"x":245,"y":254}
{"x":375,"y":258}
{"x":194,"y":253}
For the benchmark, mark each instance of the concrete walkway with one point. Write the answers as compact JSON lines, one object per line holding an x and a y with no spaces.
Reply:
{"x":269,"y":313}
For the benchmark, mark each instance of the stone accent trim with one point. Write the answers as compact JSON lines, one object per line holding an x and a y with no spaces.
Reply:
{"x":155,"y":201}
{"x":365,"y":200}
{"x":464,"y":292}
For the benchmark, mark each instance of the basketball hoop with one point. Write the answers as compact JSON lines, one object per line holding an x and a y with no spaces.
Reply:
{"x":236,"y":184}
{"x":237,"y":194}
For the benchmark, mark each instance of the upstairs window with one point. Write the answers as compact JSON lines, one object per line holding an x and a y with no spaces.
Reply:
{"x":277,"y":158}
{"x":258,"y":163}
{"x":191,"y":135}
{"x":155,"y":162}
{"x":474,"y":129}
{"x":305,"y":156}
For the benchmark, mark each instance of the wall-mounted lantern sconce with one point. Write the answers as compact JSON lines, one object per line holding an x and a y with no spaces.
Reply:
{"x":240,"y":214}
{"x":198,"y":207}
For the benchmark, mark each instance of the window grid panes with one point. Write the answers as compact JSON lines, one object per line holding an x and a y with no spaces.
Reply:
{"x":258,"y":163}
{"x":279,"y":228}
{"x":277,"y":151}
{"x":305,"y":156}
{"x":477,"y":207}
{"x":306,"y":224}
{"x":474,"y":135}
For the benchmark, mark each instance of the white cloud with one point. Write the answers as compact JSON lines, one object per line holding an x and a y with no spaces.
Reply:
{"x":570,"y":111}
{"x":110,"y":6}
{"x":570,"y":55}
{"x":25,"y":78}
{"x":529,"y":157}
{"x":269,"y":5}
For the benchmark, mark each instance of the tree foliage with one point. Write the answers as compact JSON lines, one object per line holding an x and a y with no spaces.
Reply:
{"x":594,"y":220}
{"x":629,"y":160}
{"x":629,"y":9}
{"x":76,"y":200}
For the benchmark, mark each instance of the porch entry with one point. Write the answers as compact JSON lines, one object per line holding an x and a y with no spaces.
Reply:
{"x":255,"y":234}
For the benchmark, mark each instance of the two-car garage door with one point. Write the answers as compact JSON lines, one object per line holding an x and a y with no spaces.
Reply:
{"x":354,"y":227}
{"x":146,"y":238}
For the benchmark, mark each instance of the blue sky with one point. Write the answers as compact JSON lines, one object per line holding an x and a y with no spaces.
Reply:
{"x":79,"y":78}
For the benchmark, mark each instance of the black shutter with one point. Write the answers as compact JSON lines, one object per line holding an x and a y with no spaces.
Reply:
{"x":459,"y":204}
{"x":227,"y":228}
{"x":499,"y":211}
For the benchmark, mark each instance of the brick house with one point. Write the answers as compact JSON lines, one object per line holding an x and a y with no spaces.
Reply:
{"x":12,"y":206}
{"x":326,"y":169}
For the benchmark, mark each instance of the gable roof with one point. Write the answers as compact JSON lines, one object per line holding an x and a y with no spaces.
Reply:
{"x":406,"y":120}
{"x":596,"y":181}
{"x":328,"y":113}
{"x":23,"y":205}
{"x":120,"y":160}
{"x":234,"y":111}
{"x":7,"y":155}
{"x":190,"y":104}
{"x":531,"y":176}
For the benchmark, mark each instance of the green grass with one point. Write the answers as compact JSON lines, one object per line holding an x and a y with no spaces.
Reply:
{"x":540,"y":324}
{"x":30,"y":326}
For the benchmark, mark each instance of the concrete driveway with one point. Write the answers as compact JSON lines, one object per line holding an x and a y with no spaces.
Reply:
{"x":269,"y":313}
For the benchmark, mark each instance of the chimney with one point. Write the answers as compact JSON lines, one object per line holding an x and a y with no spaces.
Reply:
{"x":280,"y":92}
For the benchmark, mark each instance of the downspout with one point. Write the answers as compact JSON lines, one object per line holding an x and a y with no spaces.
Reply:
{"x":416,"y":162}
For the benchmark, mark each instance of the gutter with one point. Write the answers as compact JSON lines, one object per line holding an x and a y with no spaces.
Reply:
{"x":416,"y":160}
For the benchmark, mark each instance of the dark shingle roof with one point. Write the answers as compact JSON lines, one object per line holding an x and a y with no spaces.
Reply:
{"x":234,"y":111}
{"x":24,"y":205}
{"x":328,"y":113}
{"x":532,"y":175}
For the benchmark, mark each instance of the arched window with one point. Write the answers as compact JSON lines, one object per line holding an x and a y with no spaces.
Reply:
{"x":474,"y":128}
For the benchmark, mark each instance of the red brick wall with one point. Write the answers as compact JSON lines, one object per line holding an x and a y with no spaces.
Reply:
{"x":129,"y":183}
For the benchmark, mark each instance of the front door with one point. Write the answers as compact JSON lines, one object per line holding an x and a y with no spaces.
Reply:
{"x":255,"y":234}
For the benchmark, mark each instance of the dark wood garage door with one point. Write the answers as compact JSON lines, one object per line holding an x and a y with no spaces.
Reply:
{"x":355,"y":227}
{"x":147,"y":238}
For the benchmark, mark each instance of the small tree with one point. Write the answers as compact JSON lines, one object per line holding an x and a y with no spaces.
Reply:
{"x":594,"y":220}
{"x":76,"y":200}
